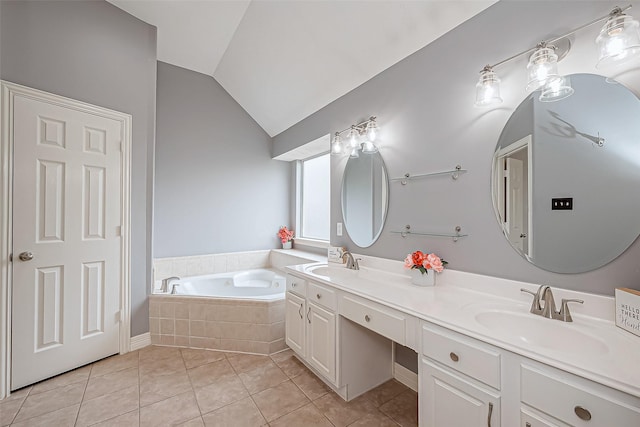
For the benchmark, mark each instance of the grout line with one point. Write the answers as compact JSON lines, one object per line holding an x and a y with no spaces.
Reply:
{"x":83,"y":393}
{"x":21,"y":405}
{"x":139,"y":391}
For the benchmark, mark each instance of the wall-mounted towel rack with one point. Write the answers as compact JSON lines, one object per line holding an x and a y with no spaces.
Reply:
{"x":455,"y":174}
{"x":455,"y":236}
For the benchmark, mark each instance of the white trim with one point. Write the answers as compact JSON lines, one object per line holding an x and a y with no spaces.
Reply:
{"x":8,"y":92}
{"x":140,"y":341}
{"x":314,"y":243}
{"x":405,"y":376}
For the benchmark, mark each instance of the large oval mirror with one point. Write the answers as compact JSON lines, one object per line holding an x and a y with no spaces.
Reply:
{"x":566,"y":176}
{"x":365,"y":198}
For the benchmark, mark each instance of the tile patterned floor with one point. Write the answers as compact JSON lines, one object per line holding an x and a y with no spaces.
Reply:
{"x":166,"y":386}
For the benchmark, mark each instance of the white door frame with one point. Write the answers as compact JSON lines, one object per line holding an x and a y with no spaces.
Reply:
{"x":9,"y":92}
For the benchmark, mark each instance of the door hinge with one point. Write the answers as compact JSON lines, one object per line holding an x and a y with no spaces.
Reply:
{"x":119,"y":316}
{"x":10,"y":257}
{"x":118,"y":231}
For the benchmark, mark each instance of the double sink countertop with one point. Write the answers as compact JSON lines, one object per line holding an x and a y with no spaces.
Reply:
{"x":495,"y":311}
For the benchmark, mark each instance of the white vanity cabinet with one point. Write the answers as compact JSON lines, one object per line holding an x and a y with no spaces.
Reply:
{"x":459,"y":380}
{"x":310,"y":324}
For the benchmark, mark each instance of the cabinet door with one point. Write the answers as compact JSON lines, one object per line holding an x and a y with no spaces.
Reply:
{"x":321,"y":340}
{"x":448,"y":399}
{"x":295,"y":323}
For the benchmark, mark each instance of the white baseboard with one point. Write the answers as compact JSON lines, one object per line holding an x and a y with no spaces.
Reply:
{"x":405,"y":376}
{"x":140,"y":341}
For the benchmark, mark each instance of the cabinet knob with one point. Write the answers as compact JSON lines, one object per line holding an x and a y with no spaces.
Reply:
{"x":582,"y":413}
{"x":318,"y":296}
{"x":367,"y":318}
{"x":454,"y":356}
{"x":527,"y":424}
{"x":294,"y":284}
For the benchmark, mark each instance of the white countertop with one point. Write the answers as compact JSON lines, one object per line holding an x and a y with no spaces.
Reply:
{"x":592,"y":346}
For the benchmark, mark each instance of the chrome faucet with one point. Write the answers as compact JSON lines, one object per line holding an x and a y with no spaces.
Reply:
{"x":352,"y":263}
{"x":164,"y":287}
{"x":548,"y":310}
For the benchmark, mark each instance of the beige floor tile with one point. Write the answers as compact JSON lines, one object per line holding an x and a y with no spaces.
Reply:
{"x":172,"y":411}
{"x":52,"y":400}
{"x":385,"y":392}
{"x":71,"y":377}
{"x":222,"y":392}
{"x":196,"y":357}
{"x":290,"y":365}
{"x":277,"y":401}
{"x":196,"y":422}
{"x":247,"y":362}
{"x":130,"y":419}
{"x":242,"y":413}
{"x":156,"y":388}
{"x":403,"y":408}
{"x":262,"y":377}
{"x":61,"y":418}
{"x":311,"y":385}
{"x":342,"y":413}
{"x":377,"y":419}
{"x":161,"y":367}
{"x":109,"y":383}
{"x":108,"y":406}
{"x":20,"y":394}
{"x":115,"y":363}
{"x":156,"y":352}
{"x":307,"y":416}
{"x":209,"y":373}
{"x":8,"y":411}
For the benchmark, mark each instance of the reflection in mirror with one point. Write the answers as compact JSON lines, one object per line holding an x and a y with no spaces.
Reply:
{"x":365,"y":198}
{"x":566,"y":175}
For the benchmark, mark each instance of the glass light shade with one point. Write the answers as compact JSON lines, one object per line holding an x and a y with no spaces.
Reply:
{"x":542,"y":68}
{"x":372,"y":130}
{"x":488,"y":89}
{"x":354,"y":138}
{"x":369,"y":147}
{"x":336,"y":145}
{"x":557,"y":89}
{"x":354,"y":152}
{"x":618,"y":41}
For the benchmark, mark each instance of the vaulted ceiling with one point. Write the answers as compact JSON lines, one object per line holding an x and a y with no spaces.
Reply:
{"x":284,"y":60}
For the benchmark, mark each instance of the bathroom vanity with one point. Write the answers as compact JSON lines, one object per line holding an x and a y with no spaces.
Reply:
{"x":484,"y":359}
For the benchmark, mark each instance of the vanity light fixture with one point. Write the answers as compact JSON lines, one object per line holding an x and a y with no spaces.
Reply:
{"x":361,"y":138}
{"x":619,"y":41}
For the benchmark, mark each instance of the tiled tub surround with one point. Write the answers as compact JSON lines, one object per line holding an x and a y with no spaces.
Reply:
{"x":217,"y":323}
{"x":240,"y":325}
{"x":227,"y":262}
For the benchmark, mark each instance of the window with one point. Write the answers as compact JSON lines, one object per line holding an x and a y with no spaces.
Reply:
{"x":315,"y":202}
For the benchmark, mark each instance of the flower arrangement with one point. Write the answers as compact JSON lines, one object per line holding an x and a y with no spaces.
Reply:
{"x":424,"y":262}
{"x":285,"y":234}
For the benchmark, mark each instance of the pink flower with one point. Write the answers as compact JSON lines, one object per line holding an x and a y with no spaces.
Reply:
{"x":284,"y":234}
{"x":434,"y":262}
{"x":408,"y":261}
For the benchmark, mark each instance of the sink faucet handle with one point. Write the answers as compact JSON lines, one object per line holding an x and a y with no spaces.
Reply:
{"x":535,"y":303}
{"x":564,"y":313}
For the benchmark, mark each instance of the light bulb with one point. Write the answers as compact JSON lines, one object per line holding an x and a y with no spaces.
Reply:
{"x":354,"y":138}
{"x":336,"y":145}
{"x":619,"y":39}
{"x":488,"y":88}
{"x":372,"y":130}
{"x":542,"y":67}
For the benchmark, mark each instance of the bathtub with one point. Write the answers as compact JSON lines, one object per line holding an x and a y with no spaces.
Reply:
{"x":240,"y":311}
{"x":258,"y":284}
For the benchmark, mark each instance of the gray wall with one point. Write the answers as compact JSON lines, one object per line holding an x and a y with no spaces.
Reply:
{"x":94,"y":52}
{"x":216,"y":187}
{"x":424,"y":106}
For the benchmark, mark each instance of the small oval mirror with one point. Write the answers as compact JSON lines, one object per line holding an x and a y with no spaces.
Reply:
{"x":365,"y":198}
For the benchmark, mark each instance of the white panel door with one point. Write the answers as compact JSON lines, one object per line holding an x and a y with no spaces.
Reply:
{"x":515,"y":202}
{"x":321,"y":340}
{"x":66,"y":239}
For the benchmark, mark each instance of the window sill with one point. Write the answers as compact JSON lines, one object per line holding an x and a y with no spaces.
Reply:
{"x":323,"y":244}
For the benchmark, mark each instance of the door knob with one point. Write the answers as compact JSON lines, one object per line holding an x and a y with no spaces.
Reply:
{"x":26,"y":256}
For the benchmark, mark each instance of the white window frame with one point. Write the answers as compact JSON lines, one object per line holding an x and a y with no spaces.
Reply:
{"x":317,"y":243}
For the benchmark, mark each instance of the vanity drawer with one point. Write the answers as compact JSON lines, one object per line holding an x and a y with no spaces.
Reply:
{"x":566,"y":398}
{"x":296,"y":285}
{"x":466,"y":355}
{"x":378,"y":318}
{"x":322,"y":295}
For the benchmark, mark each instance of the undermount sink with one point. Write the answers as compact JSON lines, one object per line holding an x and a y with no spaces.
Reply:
{"x":328,"y":271}
{"x":538,"y":331}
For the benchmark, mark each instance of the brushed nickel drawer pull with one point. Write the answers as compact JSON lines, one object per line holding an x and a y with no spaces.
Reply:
{"x":489,"y":415}
{"x":367,"y":318}
{"x":318,"y":296}
{"x":294,"y":284}
{"x":582,"y":413}
{"x":454,"y":356}
{"x":308,"y":311}
{"x":300,"y":311}
{"x":527,"y":424}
